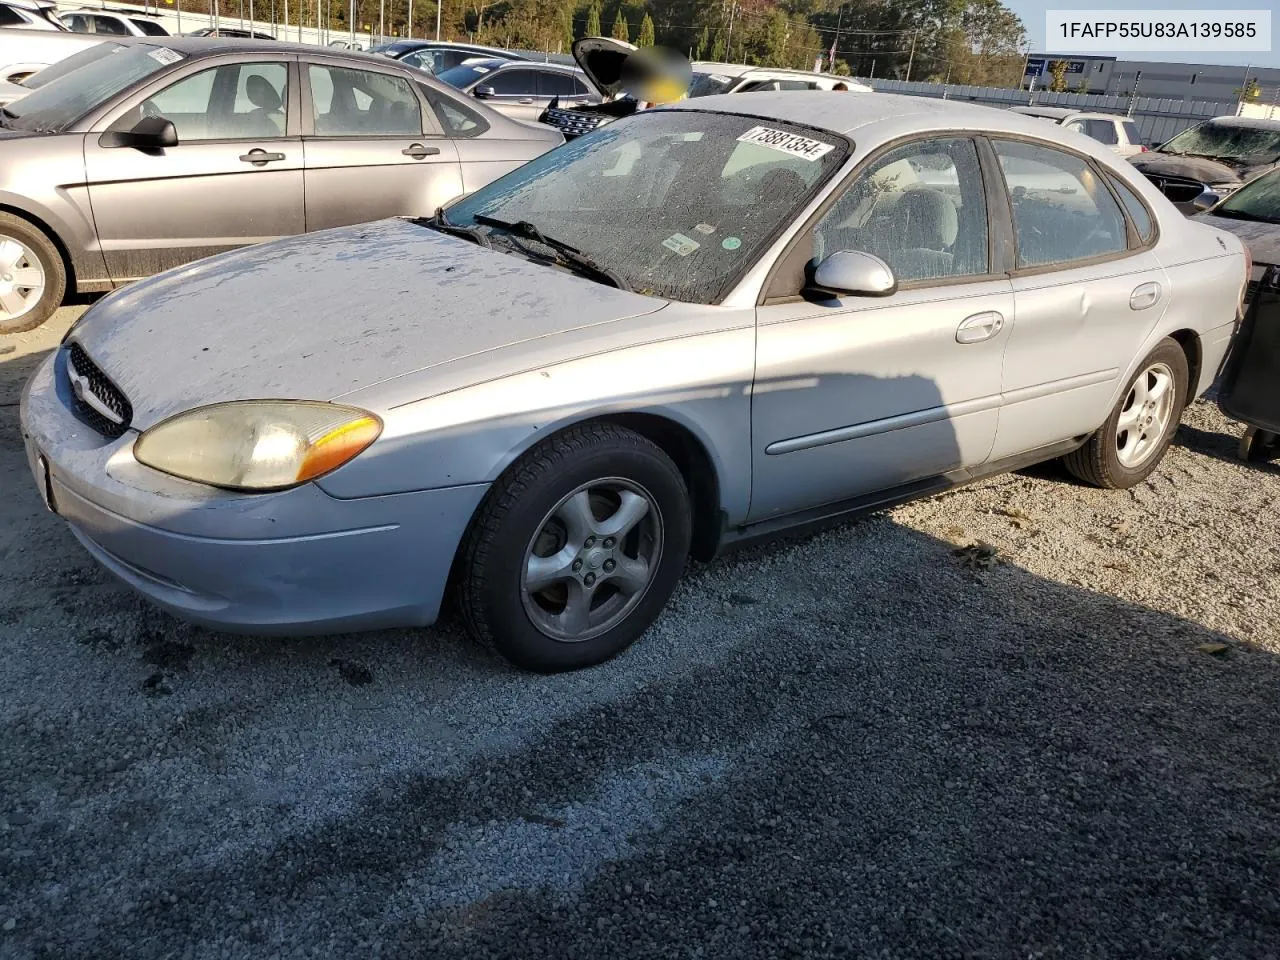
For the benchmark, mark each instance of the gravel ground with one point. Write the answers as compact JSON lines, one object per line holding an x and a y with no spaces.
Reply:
{"x":857,"y":744}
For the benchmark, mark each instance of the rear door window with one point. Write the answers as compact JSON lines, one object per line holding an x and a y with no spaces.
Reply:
{"x":1137,"y":210}
{"x":1061,"y":211}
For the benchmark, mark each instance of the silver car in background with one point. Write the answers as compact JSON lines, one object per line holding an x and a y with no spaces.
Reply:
{"x":811,"y":305}
{"x":166,"y":151}
{"x":519,"y":88}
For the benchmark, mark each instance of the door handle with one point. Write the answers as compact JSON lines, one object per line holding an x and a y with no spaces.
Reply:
{"x":1144,"y":295}
{"x":525,"y":100}
{"x":980,"y":327}
{"x":418,"y":151}
{"x":259,"y":157}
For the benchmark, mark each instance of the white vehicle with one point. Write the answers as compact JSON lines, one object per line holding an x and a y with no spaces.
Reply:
{"x":105,"y":23}
{"x":1117,"y":132}
{"x":710,"y":78}
{"x":24,"y":52}
{"x":29,"y":15}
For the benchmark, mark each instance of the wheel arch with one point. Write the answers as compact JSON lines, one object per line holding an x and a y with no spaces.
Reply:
{"x":1193,"y":349}
{"x":54,"y":237}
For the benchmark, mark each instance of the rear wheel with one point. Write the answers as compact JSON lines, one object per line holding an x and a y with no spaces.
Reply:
{"x":1133,"y":441}
{"x":32,"y":277}
{"x":576,"y":550}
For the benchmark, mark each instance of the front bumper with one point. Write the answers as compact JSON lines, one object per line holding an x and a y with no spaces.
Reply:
{"x":293,"y":562}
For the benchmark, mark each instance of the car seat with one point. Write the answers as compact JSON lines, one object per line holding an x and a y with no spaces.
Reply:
{"x":267,"y":117}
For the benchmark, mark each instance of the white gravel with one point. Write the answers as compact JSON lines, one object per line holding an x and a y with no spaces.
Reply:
{"x":855,"y":744}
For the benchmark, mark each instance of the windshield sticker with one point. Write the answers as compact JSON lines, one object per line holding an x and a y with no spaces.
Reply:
{"x":705,"y":228}
{"x":165,"y":55}
{"x":731,"y":243}
{"x":789,"y":143}
{"x":681,"y":245}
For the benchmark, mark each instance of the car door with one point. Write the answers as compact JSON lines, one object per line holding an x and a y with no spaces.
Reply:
{"x":557,"y":83}
{"x":1087,"y":291}
{"x":859,"y":394}
{"x":234,"y":178}
{"x":515,"y":92}
{"x":371,"y":151}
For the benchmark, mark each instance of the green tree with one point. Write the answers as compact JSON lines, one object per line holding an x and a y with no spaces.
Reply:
{"x":718,"y":50}
{"x":620,"y":29}
{"x":593,"y":21}
{"x":702,"y":49}
{"x":646,"y":32}
{"x":1058,"y":72}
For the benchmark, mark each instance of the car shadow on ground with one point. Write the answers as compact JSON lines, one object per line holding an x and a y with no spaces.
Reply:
{"x":1220,"y":446}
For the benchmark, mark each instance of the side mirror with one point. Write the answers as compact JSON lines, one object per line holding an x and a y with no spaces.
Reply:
{"x":1206,"y":200}
{"x":484,"y":93}
{"x":149,"y":133}
{"x":856,"y":273}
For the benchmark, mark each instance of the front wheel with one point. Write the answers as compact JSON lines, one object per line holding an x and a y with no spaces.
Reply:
{"x":576,"y":550}
{"x":32,"y":277}
{"x":1133,"y":441}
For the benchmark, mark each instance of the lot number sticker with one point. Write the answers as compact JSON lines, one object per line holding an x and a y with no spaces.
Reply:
{"x":165,"y":55}
{"x":789,"y":143}
{"x":678,"y":243}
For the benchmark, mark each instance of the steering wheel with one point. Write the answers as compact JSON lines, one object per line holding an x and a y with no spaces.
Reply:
{"x":149,"y":109}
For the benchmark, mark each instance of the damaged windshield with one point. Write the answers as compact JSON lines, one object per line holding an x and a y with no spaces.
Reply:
{"x":675,"y":203}
{"x":1233,"y":142}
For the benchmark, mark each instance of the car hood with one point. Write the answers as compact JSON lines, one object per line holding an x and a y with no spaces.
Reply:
{"x":1197,"y":168}
{"x":601,"y":59}
{"x":1262,"y":239}
{"x":329,"y":313}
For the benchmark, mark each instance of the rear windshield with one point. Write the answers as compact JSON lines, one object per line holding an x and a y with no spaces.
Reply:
{"x":149,"y":27}
{"x":465,"y":74}
{"x":64,"y":101}
{"x":709,"y":84}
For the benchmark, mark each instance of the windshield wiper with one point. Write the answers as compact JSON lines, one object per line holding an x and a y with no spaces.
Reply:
{"x":568,"y":255}
{"x":440,"y":222}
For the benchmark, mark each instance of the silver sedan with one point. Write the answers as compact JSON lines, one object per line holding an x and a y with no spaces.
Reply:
{"x":163,"y":151}
{"x":697,"y":326}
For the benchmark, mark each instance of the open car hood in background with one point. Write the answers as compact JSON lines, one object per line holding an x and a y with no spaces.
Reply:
{"x":601,"y":59}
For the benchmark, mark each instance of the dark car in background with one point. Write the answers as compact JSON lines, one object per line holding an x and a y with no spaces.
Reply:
{"x":1252,"y":213}
{"x":1217,"y":156}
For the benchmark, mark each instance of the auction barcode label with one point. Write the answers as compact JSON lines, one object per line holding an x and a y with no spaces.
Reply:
{"x":791,"y":143}
{"x":1156,"y":31}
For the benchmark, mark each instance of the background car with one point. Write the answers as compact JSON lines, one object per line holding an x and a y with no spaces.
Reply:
{"x":104,"y":23}
{"x":710,"y":79}
{"x":518,"y":88}
{"x":804,"y":310}
{"x":30,"y":15}
{"x":234,"y":33}
{"x":86,"y":55}
{"x":436,"y":56}
{"x":186,"y":147}
{"x":1118,"y":132}
{"x":24,"y":52}
{"x":1252,"y":213}
{"x":1219,"y":156}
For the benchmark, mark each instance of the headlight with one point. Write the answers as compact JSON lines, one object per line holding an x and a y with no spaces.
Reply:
{"x":257,"y":444}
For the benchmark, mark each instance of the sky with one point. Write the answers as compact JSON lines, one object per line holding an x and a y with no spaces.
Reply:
{"x":1033,"y":12}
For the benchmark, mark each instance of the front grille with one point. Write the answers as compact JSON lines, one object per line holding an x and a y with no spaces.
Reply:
{"x":571,"y":123}
{"x":98,"y":401}
{"x":1177,"y":189}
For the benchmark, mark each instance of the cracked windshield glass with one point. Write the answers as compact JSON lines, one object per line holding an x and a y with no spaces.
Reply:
{"x":675,"y":203}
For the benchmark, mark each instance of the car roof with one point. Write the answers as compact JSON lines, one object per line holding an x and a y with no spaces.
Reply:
{"x":892,"y":114}
{"x":742,"y":69}
{"x":210,"y":46}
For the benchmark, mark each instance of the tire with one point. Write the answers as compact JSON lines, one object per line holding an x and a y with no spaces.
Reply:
{"x":1106,"y":460}
{"x":27,"y":254}
{"x":537,"y":555}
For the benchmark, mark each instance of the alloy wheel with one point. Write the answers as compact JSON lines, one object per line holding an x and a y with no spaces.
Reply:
{"x":592,"y":560}
{"x":1145,"y":416}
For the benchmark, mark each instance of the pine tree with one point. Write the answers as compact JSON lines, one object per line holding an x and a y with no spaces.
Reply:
{"x":593,"y":21}
{"x":703,"y":48}
{"x":646,"y":32}
{"x":620,"y":29}
{"x":718,"y":52}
